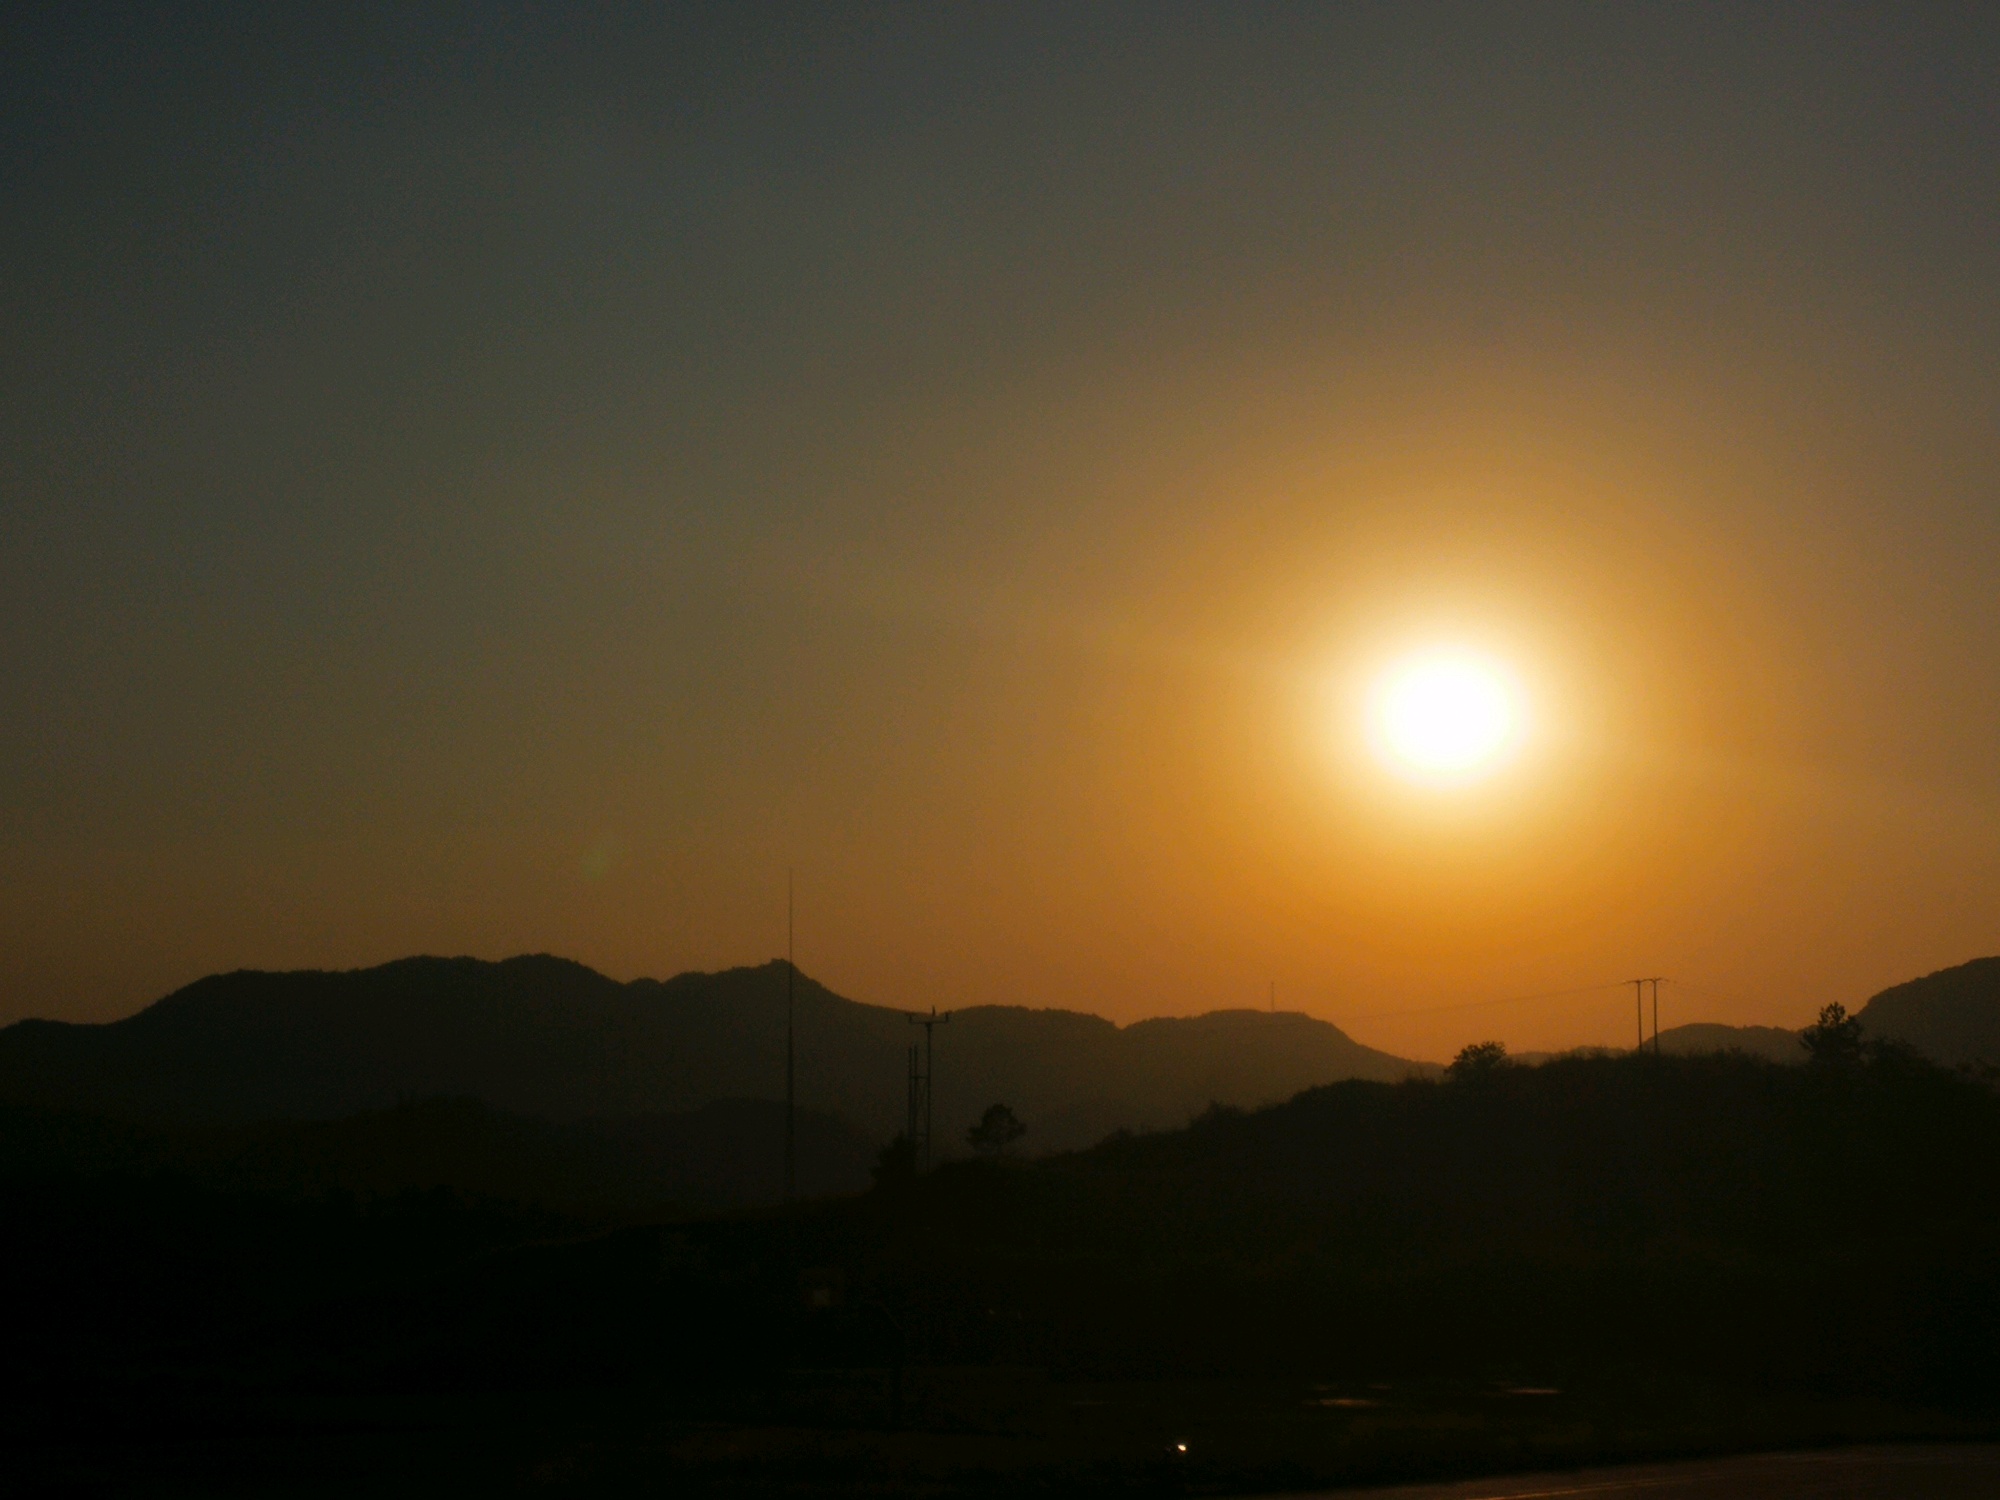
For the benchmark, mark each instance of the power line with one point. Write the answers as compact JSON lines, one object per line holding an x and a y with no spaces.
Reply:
{"x":1641,"y":997}
{"x":1713,"y":994}
{"x":1438,"y":1010}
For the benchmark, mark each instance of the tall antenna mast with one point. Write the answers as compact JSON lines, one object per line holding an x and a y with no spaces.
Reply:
{"x":791,"y":1065}
{"x":920,"y":1087}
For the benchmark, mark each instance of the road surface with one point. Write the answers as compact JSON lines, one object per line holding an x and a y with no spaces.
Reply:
{"x":1934,"y":1472}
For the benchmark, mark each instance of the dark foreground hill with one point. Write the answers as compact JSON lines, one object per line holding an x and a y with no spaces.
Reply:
{"x":1592,"y":1258}
{"x":723,"y":1156}
{"x":1827,"y":1226}
{"x":546,"y":1037}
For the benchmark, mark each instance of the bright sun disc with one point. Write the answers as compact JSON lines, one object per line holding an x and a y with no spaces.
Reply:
{"x":1446,"y":716}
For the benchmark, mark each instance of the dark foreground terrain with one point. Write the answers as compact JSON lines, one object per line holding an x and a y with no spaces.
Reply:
{"x":988,"y":1433}
{"x":1957,"y":1472}
{"x":1593,"y":1261}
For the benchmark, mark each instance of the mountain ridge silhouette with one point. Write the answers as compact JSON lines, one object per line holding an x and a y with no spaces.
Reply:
{"x":546,"y":1036}
{"x":549,"y":1037}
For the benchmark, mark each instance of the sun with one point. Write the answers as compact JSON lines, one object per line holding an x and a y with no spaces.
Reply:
{"x":1446,"y":715}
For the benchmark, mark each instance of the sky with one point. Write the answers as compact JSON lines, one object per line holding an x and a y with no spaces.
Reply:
{"x":516,"y":478}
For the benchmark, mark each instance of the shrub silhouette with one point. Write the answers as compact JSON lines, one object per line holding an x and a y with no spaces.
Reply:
{"x":1835,"y":1039}
{"x":1480,"y":1060}
{"x":896,"y":1167}
{"x":997,"y":1130}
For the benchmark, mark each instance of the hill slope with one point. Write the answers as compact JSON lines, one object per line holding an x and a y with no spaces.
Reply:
{"x":547,"y":1037}
{"x":1952,"y":1016}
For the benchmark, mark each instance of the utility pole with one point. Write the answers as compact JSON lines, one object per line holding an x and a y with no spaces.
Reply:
{"x":791,"y":1061}
{"x":1639,"y":1010}
{"x":920,"y":1087}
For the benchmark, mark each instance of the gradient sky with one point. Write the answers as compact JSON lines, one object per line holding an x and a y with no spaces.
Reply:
{"x":519,"y":478}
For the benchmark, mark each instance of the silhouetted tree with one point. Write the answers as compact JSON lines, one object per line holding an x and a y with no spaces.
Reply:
{"x":1834,"y":1039}
{"x":1480,"y":1060}
{"x":996,"y":1131}
{"x":896,"y":1166}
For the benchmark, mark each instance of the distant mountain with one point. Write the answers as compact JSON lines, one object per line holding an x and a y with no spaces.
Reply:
{"x":1952,"y":1016}
{"x":546,"y":1037}
{"x":1772,"y":1042}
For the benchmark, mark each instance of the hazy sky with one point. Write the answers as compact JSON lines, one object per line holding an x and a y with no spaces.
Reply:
{"x":518,"y":478}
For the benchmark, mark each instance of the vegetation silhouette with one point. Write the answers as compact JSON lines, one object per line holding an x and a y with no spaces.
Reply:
{"x":895,"y":1167}
{"x":1480,"y":1060}
{"x":1835,"y":1040}
{"x":996,"y":1133}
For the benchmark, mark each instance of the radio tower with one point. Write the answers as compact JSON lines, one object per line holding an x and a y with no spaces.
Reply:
{"x":920,"y":1087}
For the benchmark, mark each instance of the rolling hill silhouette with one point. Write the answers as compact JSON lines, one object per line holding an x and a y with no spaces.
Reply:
{"x":1951,"y":1017}
{"x":546,"y":1037}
